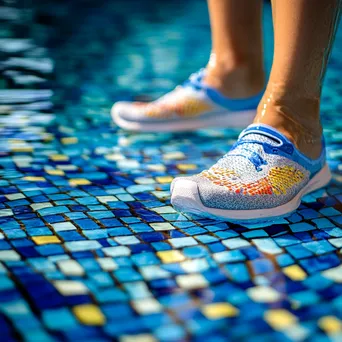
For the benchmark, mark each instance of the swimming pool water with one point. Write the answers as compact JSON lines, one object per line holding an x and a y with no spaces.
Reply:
{"x":90,"y":247}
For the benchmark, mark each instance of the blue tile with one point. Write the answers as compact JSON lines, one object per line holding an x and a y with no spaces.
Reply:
{"x":66,"y":171}
{"x":319,"y":247}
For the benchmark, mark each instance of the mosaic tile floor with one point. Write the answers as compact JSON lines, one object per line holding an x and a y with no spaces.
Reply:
{"x":90,"y":248}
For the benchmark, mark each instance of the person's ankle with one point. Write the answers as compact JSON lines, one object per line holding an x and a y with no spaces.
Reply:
{"x":301,"y":126}
{"x":235,"y":78}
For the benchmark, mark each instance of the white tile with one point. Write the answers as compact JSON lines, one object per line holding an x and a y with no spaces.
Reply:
{"x":191,"y":281}
{"x":263,"y":294}
{"x":70,"y":287}
{"x":147,"y":306}
{"x":62,"y":226}
{"x":70,"y":267}
{"x":9,"y":255}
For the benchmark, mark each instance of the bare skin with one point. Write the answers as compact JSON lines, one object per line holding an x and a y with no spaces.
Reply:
{"x":303,"y":34}
{"x":236,"y":67}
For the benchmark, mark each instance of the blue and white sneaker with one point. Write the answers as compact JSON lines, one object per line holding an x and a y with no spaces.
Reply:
{"x":264,"y":176}
{"x":190,"y":106}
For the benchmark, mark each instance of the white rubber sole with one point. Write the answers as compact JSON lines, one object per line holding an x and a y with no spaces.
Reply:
{"x":222,"y":119}
{"x":185,"y":198}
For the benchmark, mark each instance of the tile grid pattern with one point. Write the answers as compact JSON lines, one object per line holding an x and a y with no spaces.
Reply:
{"x":90,"y":248}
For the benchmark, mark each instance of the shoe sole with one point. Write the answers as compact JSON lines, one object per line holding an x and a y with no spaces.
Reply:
{"x":222,"y":120}
{"x":185,"y":198}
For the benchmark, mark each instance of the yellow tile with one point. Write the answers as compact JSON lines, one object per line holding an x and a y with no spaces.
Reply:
{"x":137,"y":338}
{"x":22,"y":149}
{"x":79,"y":181}
{"x":59,"y":157}
{"x":280,"y":319}
{"x":186,"y":167}
{"x":55,"y":172}
{"x":15,"y":141}
{"x":174,"y":155}
{"x":164,"y":179}
{"x":35,"y":179}
{"x":295,"y":272}
{"x":219,"y":310}
{"x":168,"y":257}
{"x":89,"y":314}
{"x":48,"y":137}
{"x":43,"y":240}
{"x":330,"y":324}
{"x":69,"y":140}
{"x":156,"y":167}
{"x":144,"y":180}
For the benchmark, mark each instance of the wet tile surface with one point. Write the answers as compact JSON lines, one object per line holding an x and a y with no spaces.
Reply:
{"x":90,"y":247}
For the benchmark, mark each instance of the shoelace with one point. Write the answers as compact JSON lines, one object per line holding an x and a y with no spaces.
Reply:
{"x":194,"y":77}
{"x":253,"y":156}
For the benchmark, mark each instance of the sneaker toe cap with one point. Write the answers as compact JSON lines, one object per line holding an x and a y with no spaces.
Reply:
{"x":210,"y":195}
{"x":123,"y":110}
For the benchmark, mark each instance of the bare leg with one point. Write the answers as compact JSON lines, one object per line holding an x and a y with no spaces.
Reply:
{"x":236,"y":63}
{"x":303,"y":33}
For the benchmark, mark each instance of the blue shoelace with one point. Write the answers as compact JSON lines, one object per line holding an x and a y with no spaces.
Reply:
{"x":251,"y":155}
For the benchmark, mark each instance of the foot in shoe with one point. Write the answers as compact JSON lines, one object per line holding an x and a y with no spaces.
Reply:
{"x":263,"y":176}
{"x":190,"y":106}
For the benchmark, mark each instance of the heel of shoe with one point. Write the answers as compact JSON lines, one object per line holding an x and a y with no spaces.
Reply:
{"x":320,"y":180}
